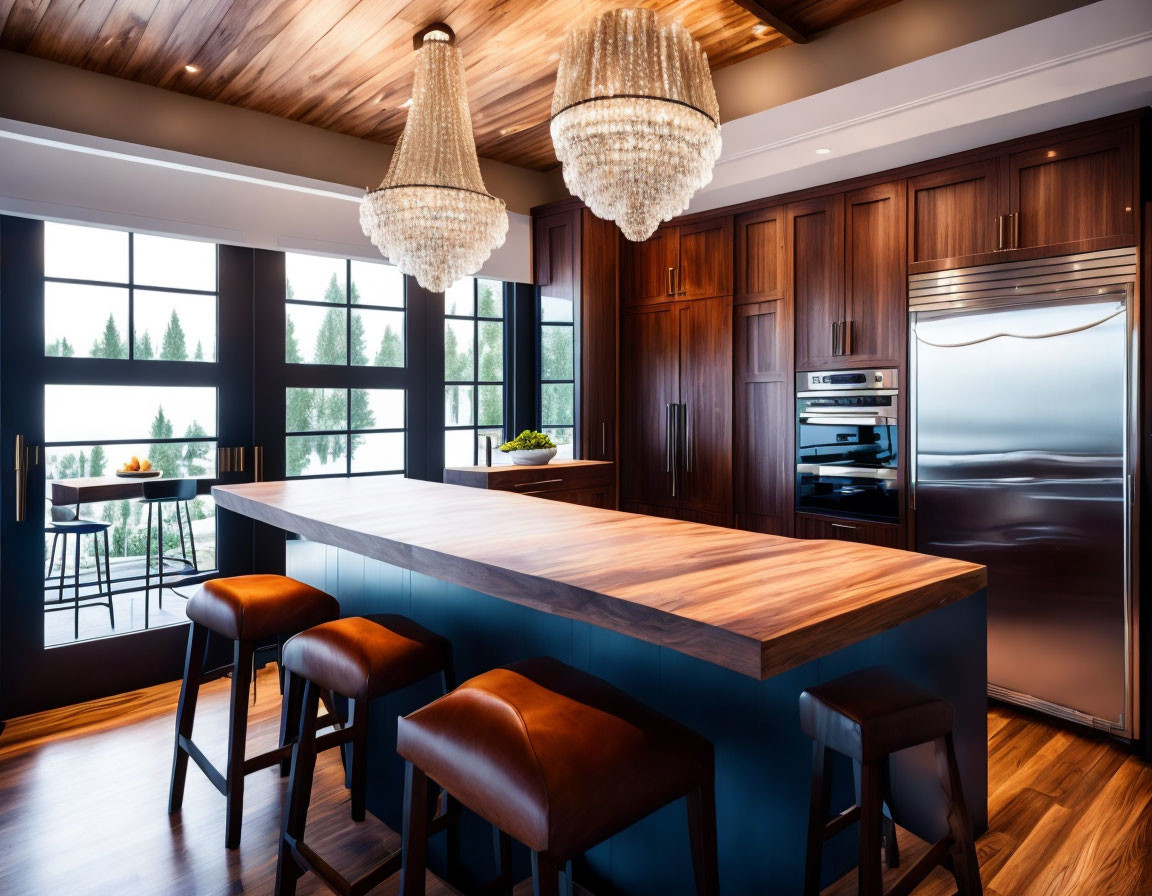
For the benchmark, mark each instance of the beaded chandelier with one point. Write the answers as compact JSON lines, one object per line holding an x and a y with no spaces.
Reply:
{"x":432,"y":216}
{"x":635,"y":121}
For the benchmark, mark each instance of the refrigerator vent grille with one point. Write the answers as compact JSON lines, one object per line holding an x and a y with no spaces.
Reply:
{"x":1023,"y":281}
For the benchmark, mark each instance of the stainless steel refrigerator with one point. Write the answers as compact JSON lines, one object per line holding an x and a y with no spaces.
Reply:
{"x":1021,"y":404}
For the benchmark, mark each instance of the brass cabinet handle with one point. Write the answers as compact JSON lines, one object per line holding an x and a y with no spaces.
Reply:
{"x":835,"y":337}
{"x":604,"y":438}
{"x":258,"y":463}
{"x":671,"y":281}
{"x":999,"y":232}
{"x":1015,"y":230}
{"x":25,"y":456}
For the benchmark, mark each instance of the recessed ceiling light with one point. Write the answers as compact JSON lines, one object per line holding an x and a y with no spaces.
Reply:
{"x":191,"y":69}
{"x":823,"y":151}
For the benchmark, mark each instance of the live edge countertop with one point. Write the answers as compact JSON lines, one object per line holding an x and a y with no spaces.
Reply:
{"x":756,"y":604}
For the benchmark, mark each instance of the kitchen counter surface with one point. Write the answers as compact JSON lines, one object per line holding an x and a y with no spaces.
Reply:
{"x":757,"y":604}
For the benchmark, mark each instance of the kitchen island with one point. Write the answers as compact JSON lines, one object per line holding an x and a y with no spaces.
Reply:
{"x":719,"y":628}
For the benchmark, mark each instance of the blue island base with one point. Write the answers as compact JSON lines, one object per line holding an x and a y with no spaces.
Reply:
{"x":763,"y":759}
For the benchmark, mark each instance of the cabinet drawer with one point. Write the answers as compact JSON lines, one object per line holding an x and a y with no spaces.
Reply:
{"x":885,"y":535}
{"x":535,"y":480}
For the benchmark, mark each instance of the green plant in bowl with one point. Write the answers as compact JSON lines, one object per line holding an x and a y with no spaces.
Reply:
{"x":528,"y":441}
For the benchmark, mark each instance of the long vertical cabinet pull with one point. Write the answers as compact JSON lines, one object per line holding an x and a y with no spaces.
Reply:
{"x":669,"y":442}
{"x":999,"y":232}
{"x":835,"y":337}
{"x":671,"y":281}
{"x":604,"y":440}
{"x":687,"y":438}
{"x":26,"y":456}
{"x":1015,"y":230}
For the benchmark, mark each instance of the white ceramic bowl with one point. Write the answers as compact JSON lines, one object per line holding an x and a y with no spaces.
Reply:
{"x":532,"y":456}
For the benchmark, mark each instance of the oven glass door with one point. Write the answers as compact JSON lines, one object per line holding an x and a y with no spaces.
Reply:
{"x":846,"y":462}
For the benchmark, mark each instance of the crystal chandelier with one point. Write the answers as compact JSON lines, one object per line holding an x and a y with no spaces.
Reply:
{"x":432,"y":216}
{"x":635,"y":121}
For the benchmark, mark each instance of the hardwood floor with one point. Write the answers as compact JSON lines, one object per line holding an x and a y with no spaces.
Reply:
{"x":83,"y":800}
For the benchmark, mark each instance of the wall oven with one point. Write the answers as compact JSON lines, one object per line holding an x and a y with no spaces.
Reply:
{"x":847,"y":444}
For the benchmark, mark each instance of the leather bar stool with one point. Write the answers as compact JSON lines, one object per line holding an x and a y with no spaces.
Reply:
{"x":360,"y":658}
{"x":558,"y":760}
{"x":869,"y":715}
{"x":250,"y":611}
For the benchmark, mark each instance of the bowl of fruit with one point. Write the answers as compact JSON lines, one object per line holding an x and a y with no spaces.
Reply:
{"x":138,"y":469}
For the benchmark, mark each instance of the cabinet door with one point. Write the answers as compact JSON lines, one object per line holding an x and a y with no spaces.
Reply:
{"x":706,"y":395}
{"x":875,"y":283}
{"x":649,"y":384}
{"x":814,"y":237}
{"x":555,"y":250}
{"x":649,"y":268}
{"x":596,"y":347}
{"x":1074,"y":196}
{"x":953,"y":215}
{"x":763,"y":437}
{"x":885,"y":535}
{"x":705,"y":268}
{"x":759,"y":255}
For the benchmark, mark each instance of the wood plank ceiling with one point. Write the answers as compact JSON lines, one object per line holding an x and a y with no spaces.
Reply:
{"x":346,"y":65}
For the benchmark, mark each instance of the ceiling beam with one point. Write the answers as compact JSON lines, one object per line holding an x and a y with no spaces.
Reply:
{"x":765,"y":15}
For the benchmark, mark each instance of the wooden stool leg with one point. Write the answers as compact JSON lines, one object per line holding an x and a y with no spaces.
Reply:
{"x":888,"y":824}
{"x":965,"y":865}
{"x":299,"y":793}
{"x":817,"y":818}
{"x":358,"y":763}
{"x":414,"y":847}
{"x":290,"y":716}
{"x":545,"y":875}
{"x":186,"y":711}
{"x":870,"y":882}
{"x":701,"y":805}
{"x":502,"y":844}
{"x":237,"y":731}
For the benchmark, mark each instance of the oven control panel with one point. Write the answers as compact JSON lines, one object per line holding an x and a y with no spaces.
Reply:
{"x":885,"y":378}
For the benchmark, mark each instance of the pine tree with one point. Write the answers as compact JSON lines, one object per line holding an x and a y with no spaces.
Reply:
{"x":487,"y":301}
{"x":198,"y":355}
{"x":195,"y":453}
{"x":66,"y":349}
{"x":166,"y":456}
{"x":391,"y":352}
{"x":331,"y":340}
{"x":556,"y":399}
{"x":359,"y":347}
{"x":298,"y":418}
{"x":144,"y":350}
{"x":173,"y":347}
{"x":98,"y":461}
{"x":83,"y":464}
{"x":334,"y":292}
{"x":291,"y":345}
{"x":68,"y":467}
{"x":110,"y":344}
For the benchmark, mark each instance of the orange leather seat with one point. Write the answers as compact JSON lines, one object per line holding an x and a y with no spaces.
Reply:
{"x":252,"y":608}
{"x":872,"y":713}
{"x":364,"y":657}
{"x":552,"y":756}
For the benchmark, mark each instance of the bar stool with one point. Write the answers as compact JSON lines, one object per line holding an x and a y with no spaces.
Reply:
{"x":70,"y":524}
{"x":869,"y":715}
{"x":249,"y":611}
{"x":558,"y":760}
{"x":360,"y":658}
{"x":159,"y":493}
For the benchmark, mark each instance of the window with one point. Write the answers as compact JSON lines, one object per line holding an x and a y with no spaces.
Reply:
{"x":343,"y":312}
{"x":129,"y":296}
{"x":351,"y":314}
{"x":474,"y":370}
{"x":347,"y":431}
{"x":557,"y":376}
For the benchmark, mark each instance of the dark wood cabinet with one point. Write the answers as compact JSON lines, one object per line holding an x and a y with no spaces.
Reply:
{"x":763,"y":437}
{"x":875,"y":282}
{"x":575,"y":257}
{"x":689,"y":261}
{"x":676,"y":409}
{"x":953,"y":216}
{"x":1073,"y":196}
{"x":814,"y":245}
{"x":1036,"y":198}
{"x":885,"y":535}
{"x":586,"y":482}
{"x":759,"y":255}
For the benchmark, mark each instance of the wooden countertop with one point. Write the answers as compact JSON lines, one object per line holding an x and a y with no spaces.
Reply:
{"x":757,"y":604}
